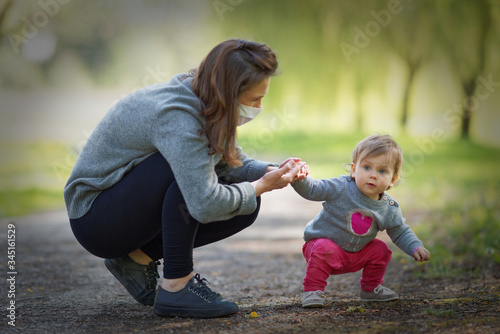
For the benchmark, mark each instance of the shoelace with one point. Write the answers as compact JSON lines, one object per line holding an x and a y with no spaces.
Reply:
{"x":152,"y":275}
{"x":202,"y":290}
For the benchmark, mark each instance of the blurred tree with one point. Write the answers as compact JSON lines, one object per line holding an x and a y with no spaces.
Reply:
{"x":364,"y":53}
{"x":335,"y":54}
{"x":31,"y":29}
{"x":5,"y":8}
{"x":87,"y":28}
{"x":361,"y":71}
{"x":465,"y":31}
{"x":411,"y":37}
{"x":305,"y":36}
{"x":98,"y":37}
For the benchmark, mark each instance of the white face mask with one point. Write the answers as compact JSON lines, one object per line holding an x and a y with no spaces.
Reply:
{"x":247,"y":113}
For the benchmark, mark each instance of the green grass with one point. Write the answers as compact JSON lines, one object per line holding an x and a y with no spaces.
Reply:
{"x":439,"y":313}
{"x":450,"y":190}
{"x":32,"y":176}
{"x":16,"y":202}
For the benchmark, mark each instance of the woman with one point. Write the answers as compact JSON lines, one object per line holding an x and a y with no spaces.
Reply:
{"x":162,"y":174}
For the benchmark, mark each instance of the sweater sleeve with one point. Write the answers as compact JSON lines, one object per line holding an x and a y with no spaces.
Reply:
{"x":319,"y":190}
{"x":402,"y":236}
{"x":177,"y":138}
{"x":250,"y":170}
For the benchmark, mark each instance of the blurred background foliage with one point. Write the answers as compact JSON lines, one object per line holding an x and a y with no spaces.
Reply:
{"x":371,"y":65}
{"x":427,"y":72}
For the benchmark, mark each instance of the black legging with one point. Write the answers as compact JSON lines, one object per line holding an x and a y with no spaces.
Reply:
{"x":146,"y":210}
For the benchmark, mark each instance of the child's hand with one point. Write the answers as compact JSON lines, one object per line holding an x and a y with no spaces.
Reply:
{"x":421,"y":254}
{"x":303,"y":172}
{"x":288,"y":160}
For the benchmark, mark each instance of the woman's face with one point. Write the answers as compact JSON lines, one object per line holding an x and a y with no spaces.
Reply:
{"x":252,"y":97}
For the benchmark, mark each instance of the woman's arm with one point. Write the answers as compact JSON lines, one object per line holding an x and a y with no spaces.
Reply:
{"x":251,"y":170}
{"x":207,"y":200}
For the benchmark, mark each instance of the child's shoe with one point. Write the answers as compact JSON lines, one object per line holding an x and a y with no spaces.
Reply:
{"x":313,"y":299}
{"x":379,"y":294}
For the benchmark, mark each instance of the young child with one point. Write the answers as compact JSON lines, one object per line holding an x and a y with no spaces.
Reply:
{"x":341,"y":238}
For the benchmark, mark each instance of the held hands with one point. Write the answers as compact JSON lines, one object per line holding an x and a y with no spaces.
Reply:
{"x":421,"y":254}
{"x":303,"y":172}
{"x":280,"y":177}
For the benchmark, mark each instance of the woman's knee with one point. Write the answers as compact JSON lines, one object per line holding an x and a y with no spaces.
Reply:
{"x":91,"y":241}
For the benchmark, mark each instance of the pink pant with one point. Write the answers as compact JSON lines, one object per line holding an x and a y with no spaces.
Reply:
{"x":324,"y":258}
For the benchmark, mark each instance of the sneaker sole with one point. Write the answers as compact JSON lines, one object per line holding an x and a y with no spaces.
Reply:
{"x":117,"y":273}
{"x":313,"y":305}
{"x":379,"y":300}
{"x":191,"y":312}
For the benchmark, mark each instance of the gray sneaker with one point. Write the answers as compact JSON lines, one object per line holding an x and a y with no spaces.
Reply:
{"x":139,"y":280}
{"x":379,"y":294}
{"x":313,"y":299}
{"x":196,"y":300}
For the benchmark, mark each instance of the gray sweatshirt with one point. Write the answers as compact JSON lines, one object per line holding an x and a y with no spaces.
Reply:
{"x":350,"y":218}
{"x":165,"y":118}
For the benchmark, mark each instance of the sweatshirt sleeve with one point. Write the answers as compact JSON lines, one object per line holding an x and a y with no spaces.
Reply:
{"x":178,"y":140}
{"x":319,"y":190}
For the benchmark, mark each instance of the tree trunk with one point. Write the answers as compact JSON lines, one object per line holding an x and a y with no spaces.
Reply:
{"x":469,"y":89}
{"x":359,"y":112}
{"x":359,"y":89}
{"x":413,"y":67}
{"x":3,"y":17}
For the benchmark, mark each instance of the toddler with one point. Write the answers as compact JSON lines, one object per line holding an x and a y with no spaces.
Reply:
{"x":341,"y":238}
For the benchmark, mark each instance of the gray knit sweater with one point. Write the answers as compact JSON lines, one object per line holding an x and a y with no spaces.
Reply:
{"x":165,"y":118}
{"x":350,"y":218}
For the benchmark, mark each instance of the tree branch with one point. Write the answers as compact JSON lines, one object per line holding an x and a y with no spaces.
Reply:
{"x":3,"y":16}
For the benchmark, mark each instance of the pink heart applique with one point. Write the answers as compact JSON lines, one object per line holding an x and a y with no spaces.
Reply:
{"x":360,"y":224}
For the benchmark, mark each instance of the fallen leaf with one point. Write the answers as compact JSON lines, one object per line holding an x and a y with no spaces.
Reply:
{"x":252,"y":315}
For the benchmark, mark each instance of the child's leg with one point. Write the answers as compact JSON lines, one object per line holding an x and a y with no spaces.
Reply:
{"x":323,"y":257}
{"x":376,"y":256}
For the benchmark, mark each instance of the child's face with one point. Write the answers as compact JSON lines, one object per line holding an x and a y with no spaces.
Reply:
{"x":374,"y":175}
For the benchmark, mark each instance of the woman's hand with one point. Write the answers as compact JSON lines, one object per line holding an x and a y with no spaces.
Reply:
{"x":288,"y":160}
{"x":421,"y":254}
{"x":273,"y":168}
{"x":303,"y":172}
{"x":278,"y":178}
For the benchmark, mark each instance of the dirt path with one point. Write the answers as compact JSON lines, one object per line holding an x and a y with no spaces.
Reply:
{"x":60,"y":288}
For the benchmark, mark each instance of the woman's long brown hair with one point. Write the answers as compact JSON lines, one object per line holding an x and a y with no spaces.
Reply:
{"x":229,"y":69}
